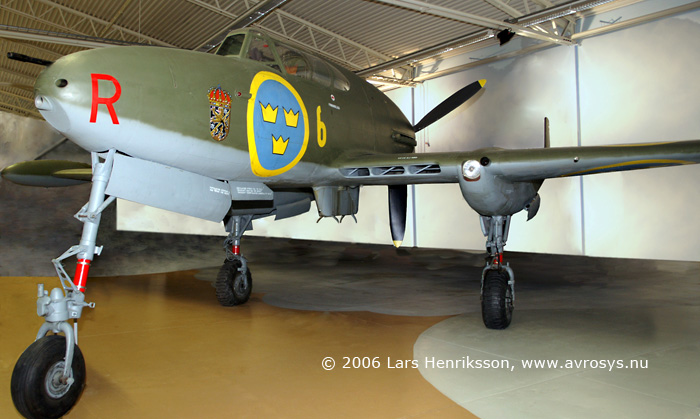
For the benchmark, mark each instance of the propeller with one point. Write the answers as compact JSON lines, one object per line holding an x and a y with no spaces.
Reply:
{"x":449,"y":104}
{"x":397,"y":212}
{"x":398,"y":194}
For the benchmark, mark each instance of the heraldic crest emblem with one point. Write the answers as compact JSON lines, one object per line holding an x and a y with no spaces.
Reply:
{"x":220,"y":112}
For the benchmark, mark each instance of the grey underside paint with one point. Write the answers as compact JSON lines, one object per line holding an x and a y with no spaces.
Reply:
{"x":168,"y":188}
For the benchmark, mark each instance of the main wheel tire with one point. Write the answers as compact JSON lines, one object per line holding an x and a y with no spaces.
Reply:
{"x":232,"y":286}
{"x":36,"y":389}
{"x":496,"y":300}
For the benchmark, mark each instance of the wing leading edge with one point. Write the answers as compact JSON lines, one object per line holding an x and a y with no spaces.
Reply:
{"x":516,"y":165}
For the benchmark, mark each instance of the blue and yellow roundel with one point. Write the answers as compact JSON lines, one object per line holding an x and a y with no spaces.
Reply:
{"x":278,"y":125}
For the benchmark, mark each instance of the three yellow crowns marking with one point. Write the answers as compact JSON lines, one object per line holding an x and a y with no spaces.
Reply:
{"x":279,"y":145}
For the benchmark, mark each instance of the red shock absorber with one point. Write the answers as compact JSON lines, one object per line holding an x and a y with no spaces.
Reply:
{"x":236,"y":249}
{"x":81,"y":274}
{"x":498,"y":260}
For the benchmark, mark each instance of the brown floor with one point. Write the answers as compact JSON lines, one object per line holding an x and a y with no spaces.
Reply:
{"x":160,"y":345}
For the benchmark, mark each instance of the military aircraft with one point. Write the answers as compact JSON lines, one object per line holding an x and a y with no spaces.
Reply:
{"x":260,"y":128}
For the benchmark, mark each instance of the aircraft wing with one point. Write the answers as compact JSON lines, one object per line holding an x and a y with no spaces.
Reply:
{"x":48,"y":173}
{"x":516,"y":165}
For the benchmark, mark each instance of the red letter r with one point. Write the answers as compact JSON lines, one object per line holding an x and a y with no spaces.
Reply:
{"x":107,"y":101}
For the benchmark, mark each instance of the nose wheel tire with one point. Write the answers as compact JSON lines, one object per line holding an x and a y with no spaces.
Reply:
{"x":233,"y":287}
{"x":37,"y":386}
{"x":496,"y":300}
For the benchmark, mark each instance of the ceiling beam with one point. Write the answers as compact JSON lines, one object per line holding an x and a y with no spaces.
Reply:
{"x":505,"y":8}
{"x":334,"y":35}
{"x":116,"y":16}
{"x":345,"y":43}
{"x":638,"y":20}
{"x":581,"y":35}
{"x":38,"y":14}
{"x":60,"y":38}
{"x":256,"y":13}
{"x":16,"y":96}
{"x":18,"y":74}
{"x":24,"y":87}
{"x":555,"y":12}
{"x":423,"y":7}
{"x":19,"y":111}
{"x":13,"y":104}
{"x":120,"y":29}
{"x":250,"y":16}
{"x":430,"y":52}
{"x":28,"y":45}
{"x":514,"y":13}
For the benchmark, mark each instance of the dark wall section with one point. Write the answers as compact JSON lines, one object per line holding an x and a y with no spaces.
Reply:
{"x":37,"y":225}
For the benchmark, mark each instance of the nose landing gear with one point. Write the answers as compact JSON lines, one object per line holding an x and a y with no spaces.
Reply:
{"x":49,"y":376}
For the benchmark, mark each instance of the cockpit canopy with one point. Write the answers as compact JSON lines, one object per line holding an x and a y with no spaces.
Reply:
{"x":283,"y":57}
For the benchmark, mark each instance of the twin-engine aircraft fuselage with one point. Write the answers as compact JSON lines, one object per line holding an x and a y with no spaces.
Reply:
{"x":256,"y":111}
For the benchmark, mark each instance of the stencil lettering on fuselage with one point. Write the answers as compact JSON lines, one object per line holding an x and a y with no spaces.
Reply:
{"x":278,"y":125}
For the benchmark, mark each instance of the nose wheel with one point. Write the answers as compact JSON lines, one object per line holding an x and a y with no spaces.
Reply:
{"x":39,"y":387}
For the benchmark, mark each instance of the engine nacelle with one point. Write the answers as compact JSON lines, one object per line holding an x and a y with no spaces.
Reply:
{"x":493,"y":195}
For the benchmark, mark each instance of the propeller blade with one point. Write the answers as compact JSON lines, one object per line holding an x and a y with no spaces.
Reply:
{"x":450,"y":104}
{"x":397,"y":212}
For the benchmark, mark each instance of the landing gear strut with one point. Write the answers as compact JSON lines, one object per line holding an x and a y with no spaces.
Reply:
{"x":234,"y":282}
{"x":497,"y":279}
{"x":50,"y":375}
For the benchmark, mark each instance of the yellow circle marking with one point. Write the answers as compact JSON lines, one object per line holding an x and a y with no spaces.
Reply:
{"x":255,"y":165}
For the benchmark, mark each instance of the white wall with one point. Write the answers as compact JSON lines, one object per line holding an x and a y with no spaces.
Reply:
{"x":634,"y":85}
{"x":641,"y":85}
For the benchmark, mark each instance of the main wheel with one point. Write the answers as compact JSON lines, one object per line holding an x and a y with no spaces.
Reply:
{"x":36,"y":386}
{"x":232,"y":286}
{"x":496,"y":300}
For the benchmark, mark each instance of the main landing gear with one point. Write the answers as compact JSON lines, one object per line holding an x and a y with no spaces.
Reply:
{"x":234,"y":282}
{"x":497,"y":279}
{"x":49,"y":376}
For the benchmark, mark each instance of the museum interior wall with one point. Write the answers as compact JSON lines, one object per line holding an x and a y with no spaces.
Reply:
{"x":628,"y":86}
{"x":24,"y":138}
